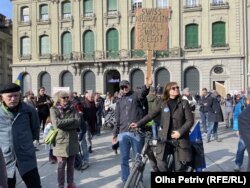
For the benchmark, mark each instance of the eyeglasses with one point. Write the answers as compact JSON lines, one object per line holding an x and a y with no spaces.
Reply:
{"x":175,"y":88}
{"x":124,"y":87}
{"x":65,"y":97}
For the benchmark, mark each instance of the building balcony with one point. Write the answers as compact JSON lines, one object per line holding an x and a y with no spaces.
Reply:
{"x":43,"y":21}
{"x":193,"y":48}
{"x":25,"y":57}
{"x":24,"y":23}
{"x":220,"y":46}
{"x":45,"y":56}
{"x":192,"y":8}
{"x":219,"y":5}
{"x":88,"y":16}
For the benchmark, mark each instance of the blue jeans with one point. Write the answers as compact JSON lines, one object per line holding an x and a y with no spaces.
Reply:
{"x":215,"y":130}
{"x":84,"y":148}
{"x":204,"y":121}
{"x":155,"y":127}
{"x":210,"y":129}
{"x":240,"y":152}
{"x":126,"y":141}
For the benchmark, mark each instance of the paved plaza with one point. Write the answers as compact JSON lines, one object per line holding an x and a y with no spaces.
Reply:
{"x":104,"y":170}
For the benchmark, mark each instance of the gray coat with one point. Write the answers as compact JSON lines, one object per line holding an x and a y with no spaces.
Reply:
{"x":17,"y":133}
{"x":3,"y":176}
{"x":182,"y":122}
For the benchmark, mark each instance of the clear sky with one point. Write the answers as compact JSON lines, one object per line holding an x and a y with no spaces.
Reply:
{"x":6,"y":8}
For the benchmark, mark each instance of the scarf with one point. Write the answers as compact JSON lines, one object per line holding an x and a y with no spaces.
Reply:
{"x":63,"y":109}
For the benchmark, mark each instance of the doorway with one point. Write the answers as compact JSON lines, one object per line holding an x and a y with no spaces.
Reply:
{"x":112,"y":81}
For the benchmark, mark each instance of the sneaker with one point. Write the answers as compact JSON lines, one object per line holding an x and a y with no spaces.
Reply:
{"x":237,"y":168}
{"x":84,"y":166}
{"x":90,"y":149}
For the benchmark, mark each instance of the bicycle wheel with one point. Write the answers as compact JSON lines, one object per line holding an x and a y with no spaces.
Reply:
{"x":133,"y":177}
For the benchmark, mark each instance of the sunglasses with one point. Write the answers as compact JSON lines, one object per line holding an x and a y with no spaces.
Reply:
{"x":175,"y":88}
{"x":124,"y":87}
{"x":65,"y":97}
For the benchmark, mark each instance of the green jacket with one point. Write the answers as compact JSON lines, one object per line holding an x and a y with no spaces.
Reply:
{"x":67,"y":139}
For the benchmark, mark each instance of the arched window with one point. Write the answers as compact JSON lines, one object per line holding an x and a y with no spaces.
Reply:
{"x":25,"y":14}
{"x":218,"y":34}
{"x":88,"y":44}
{"x":112,"y":43}
{"x":66,"y":44}
{"x":191,"y":36}
{"x":192,"y":80}
{"x":67,"y":80}
{"x":45,"y":81}
{"x":26,"y":83}
{"x":44,"y":45}
{"x":89,"y":83}
{"x":134,"y":52}
{"x":66,"y":9}
{"x":25,"y":46}
{"x":162,"y":77}
{"x":137,"y":79}
{"x":44,"y":13}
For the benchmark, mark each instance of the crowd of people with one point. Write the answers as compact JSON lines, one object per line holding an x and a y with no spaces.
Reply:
{"x":167,"y":112}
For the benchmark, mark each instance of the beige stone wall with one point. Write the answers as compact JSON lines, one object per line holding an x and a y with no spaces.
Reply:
{"x":204,"y":59}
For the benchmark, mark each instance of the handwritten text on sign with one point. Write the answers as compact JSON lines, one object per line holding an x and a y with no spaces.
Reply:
{"x":151,"y":28}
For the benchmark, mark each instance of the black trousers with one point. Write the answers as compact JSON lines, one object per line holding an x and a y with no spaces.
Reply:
{"x":31,"y":180}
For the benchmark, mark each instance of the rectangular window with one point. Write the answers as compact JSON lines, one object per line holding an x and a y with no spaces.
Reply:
{"x":25,"y":14}
{"x":9,"y":78}
{"x":45,"y":48}
{"x":25,"y":46}
{"x":66,"y":10}
{"x":1,"y":61}
{"x":112,"y":5}
{"x":44,"y":13}
{"x":218,"y":2}
{"x":136,"y":4}
{"x":9,"y":50}
{"x":88,"y":7}
{"x":191,"y":3}
{"x":162,"y":4}
{"x":1,"y":78}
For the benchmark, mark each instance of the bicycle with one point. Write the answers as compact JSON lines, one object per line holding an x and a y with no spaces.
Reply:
{"x":135,"y":176}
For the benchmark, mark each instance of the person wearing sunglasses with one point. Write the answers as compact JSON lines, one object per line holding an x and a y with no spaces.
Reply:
{"x":128,"y":109}
{"x":176,"y":123}
{"x":67,"y":120}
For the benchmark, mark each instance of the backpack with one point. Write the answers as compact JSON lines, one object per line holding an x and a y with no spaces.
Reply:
{"x":78,"y":162}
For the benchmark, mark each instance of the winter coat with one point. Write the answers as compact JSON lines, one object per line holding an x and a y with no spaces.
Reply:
{"x":3,"y":177}
{"x":152,"y":103}
{"x":67,"y":138}
{"x":18,"y":131}
{"x":182,"y":122}
{"x":129,"y":109}
{"x":215,"y":113}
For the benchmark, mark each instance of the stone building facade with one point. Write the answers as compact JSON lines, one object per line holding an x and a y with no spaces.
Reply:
{"x":89,"y":44}
{"x":5,"y":50}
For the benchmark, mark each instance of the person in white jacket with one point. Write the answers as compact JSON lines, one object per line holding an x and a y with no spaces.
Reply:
{"x":186,"y":95}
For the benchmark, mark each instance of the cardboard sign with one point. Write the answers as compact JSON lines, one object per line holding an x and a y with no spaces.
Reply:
{"x":151,"y":29}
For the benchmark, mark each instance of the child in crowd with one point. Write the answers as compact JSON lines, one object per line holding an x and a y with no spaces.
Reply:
{"x":48,"y":126}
